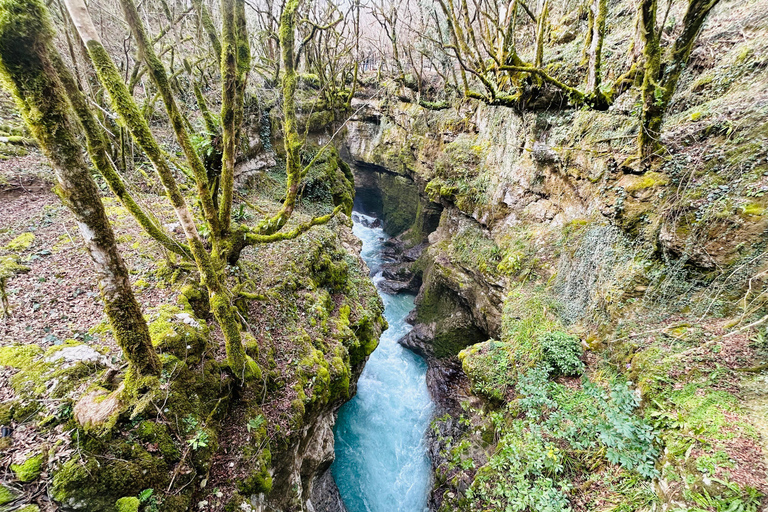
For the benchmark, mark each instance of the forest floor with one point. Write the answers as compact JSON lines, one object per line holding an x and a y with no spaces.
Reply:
{"x":57,"y":299}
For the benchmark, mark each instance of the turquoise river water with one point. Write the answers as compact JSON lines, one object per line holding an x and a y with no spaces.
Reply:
{"x":381,"y":456}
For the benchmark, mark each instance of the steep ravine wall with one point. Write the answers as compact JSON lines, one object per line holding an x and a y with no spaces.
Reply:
{"x":546,"y":213}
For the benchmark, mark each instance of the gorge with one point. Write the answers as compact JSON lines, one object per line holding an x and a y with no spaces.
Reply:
{"x":383,"y":256}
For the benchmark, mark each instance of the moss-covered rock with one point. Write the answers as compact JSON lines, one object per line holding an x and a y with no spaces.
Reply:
{"x":6,"y":495}
{"x":89,"y":484}
{"x":177,"y":332}
{"x":158,"y":434}
{"x":128,"y":504}
{"x":31,"y":468}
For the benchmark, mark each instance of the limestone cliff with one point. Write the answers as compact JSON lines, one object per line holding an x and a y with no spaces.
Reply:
{"x":553,"y":238}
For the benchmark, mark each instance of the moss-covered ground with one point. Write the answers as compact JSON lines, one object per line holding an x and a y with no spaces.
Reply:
{"x":310,"y":317}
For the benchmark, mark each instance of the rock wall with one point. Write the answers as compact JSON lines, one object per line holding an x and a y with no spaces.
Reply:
{"x":550,"y":224}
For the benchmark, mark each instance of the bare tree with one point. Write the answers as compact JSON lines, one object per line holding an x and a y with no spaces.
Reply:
{"x":30,"y":67}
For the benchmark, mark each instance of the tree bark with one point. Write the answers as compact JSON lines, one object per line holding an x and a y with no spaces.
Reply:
{"x":228,"y":110}
{"x":651,"y":115}
{"x":28,"y":69}
{"x":160,"y":79}
{"x":239,"y":362}
{"x":599,"y":10}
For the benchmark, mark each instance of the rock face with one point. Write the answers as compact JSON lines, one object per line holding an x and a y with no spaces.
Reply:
{"x":553,"y":200}
{"x":302,"y":468}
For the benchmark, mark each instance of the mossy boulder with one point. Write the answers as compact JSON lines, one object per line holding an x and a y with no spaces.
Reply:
{"x":30,"y":469}
{"x":177,"y":332}
{"x":129,"y":504}
{"x":91,"y":485}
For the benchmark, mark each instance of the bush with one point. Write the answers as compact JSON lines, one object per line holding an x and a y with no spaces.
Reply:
{"x":628,"y":438}
{"x":553,"y":432}
{"x":563,"y":352}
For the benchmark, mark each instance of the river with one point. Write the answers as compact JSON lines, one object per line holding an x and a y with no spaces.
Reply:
{"x":381,"y":457}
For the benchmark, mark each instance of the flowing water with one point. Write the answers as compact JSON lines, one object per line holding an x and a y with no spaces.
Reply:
{"x":381,"y":457}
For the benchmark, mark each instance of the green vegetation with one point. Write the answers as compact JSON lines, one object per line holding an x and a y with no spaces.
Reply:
{"x":547,"y":437}
{"x":30,"y":469}
{"x":600,"y":174}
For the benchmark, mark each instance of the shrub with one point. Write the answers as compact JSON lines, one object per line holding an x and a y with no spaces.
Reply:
{"x":562,"y":351}
{"x":629,"y":440}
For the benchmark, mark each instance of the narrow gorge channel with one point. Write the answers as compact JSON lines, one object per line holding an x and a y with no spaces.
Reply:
{"x":381,"y":455}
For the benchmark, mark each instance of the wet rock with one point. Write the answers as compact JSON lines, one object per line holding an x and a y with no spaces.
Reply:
{"x":419,"y":340}
{"x":447,"y":384}
{"x":325,"y":494}
{"x":369,"y":222}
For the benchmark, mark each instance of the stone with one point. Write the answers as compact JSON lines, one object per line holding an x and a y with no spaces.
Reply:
{"x":97,"y":408}
{"x":77,"y":353}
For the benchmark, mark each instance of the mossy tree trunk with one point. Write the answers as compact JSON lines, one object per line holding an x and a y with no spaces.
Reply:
{"x":598,"y":13}
{"x":228,"y":115}
{"x":290,"y":124}
{"x":204,"y":17}
{"x":541,"y":29}
{"x":660,"y":79}
{"x":28,"y":69}
{"x":650,"y":117}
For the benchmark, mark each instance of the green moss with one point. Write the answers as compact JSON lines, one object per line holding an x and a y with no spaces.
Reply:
{"x":30,"y":469}
{"x":29,"y":508}
{"x":753,"y":209}
{"x":6,"y":412}
{"x":20,"y":243}
{"x":24,"y":410}
{"x":648,"y":180}
{"x":177,"y":332}
{"x":68,"y":378}
{"x":194,"y":299}
{"x":19,"y":356}
{"x":450,"y":342}
{"x":260,"y":479}
{"x":97,"y":486}
{"x":400,"y":199}
{"x":6,"y":495}
{"x":158,"y":434}
{"x":128,"y":504}
{"x":367,"y":338}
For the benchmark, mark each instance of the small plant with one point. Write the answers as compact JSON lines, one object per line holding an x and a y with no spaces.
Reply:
{"x":732,"y":499}
{"x":199,"y":440}
{"x":562,"y":351}
{"x":190,"y":424}
{"x":255,"y":423}
{"x":628,"y":439}
{"x":149,"y":500}
{"x":241,"y":214}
